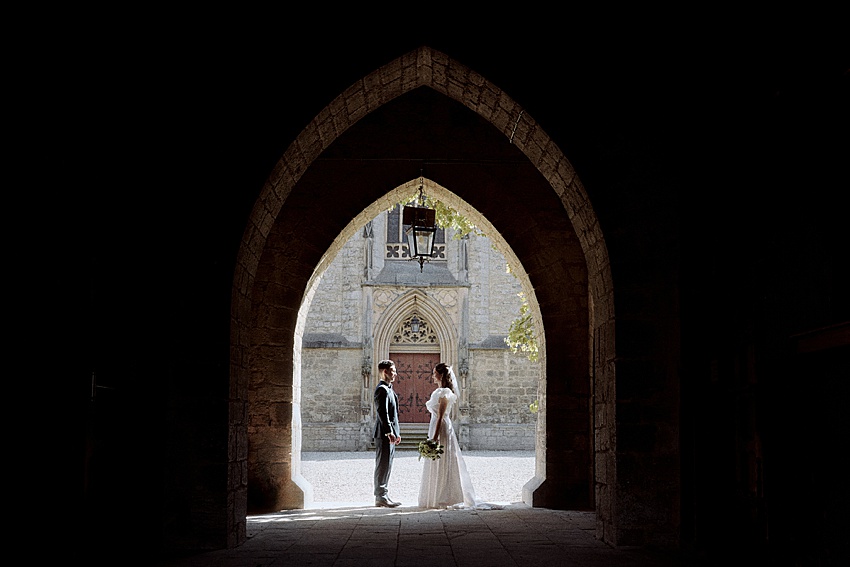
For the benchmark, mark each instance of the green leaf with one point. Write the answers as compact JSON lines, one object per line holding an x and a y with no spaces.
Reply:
{"x":521,"y":338}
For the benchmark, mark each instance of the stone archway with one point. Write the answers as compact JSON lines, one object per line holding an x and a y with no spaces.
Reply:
{"x":572,"y":283}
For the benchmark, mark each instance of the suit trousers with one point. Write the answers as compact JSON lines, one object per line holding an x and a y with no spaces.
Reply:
{"x":384,"y":452}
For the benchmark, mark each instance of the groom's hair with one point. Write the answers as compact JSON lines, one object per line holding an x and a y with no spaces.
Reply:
{"x":385,"y":365}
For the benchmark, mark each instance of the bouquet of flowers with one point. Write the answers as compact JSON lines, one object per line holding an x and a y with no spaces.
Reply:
{"x":430,"y":449}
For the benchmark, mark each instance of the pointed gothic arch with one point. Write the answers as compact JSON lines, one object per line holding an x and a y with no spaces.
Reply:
{"x":441,"y":323}
{"x":273,"y":277}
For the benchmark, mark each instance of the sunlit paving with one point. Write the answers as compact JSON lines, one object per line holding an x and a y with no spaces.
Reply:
{"x":335,"y":512}
{"x":345,"y":479}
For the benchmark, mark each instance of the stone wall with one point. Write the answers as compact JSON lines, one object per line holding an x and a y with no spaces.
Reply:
{"x":336,"y":307}
{"x":501,"y":387}
{"x":331,"y":437}
{"x":493,"y":300}
{"x":330,"y":387}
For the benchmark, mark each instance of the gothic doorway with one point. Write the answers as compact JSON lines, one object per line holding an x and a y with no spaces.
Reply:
{"x":413,"y":384}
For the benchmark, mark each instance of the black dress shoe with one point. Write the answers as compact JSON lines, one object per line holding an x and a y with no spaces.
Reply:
{"x":386,"y":503}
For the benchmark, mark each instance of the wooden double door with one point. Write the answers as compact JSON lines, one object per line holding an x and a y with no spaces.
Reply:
{"x":413,"y":384}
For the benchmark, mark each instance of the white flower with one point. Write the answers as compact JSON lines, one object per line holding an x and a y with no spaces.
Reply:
{"x":430,"y":449}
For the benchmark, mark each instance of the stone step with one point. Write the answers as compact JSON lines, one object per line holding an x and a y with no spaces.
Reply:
{"x":411,"y":435}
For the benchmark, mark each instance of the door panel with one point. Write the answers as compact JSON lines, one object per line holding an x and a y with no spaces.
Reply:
{"x":413,"y":384}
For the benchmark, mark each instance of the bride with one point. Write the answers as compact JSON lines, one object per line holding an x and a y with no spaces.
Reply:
{"x":445,"y":481}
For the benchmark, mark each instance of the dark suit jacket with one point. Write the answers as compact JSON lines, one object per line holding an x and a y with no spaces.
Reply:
{"x":386,"y":406}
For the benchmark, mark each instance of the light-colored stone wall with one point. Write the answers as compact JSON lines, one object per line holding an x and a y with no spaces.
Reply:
{"x":331,"y":437}
{"x":502,"y":437}
{"x":493,"y":300}
{"x":330,"y":386}
{"x":501,"y":387}
{"x":330,"y":408}
{"x":336,"y":305}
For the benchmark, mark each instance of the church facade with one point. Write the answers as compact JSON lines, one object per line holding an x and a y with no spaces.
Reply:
{"x":375,"y":302}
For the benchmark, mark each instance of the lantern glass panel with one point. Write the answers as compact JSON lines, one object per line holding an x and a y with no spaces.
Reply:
{"x":420,"y":240}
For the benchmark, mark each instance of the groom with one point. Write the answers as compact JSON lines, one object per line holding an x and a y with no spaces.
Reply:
{"x":387,"y":434}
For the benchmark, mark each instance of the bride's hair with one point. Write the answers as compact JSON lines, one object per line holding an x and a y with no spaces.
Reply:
{"x":444,"y":370}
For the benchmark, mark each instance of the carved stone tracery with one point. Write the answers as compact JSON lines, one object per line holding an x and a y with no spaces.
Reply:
{"x":406,"y":334}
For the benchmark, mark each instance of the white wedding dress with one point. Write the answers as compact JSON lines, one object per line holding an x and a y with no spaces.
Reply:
{"x":445,"y":481}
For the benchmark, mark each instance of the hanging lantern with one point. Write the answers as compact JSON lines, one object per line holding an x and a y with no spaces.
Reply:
{"x":422,"y":229}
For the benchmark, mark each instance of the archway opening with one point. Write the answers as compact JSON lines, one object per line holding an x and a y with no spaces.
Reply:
{"x":426,"y":107}
{"x":359,"y":311}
